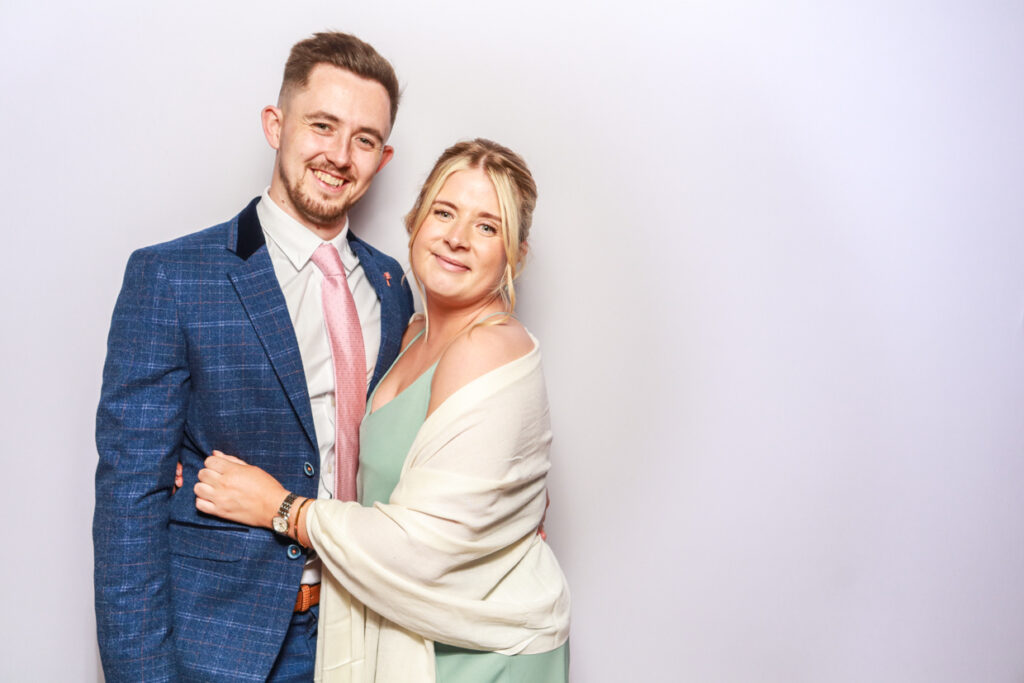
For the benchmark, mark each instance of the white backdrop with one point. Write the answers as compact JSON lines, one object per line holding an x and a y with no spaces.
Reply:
{"x":777,"y":270}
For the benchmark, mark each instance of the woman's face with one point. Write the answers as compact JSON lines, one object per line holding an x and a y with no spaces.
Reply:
{"x":458,"y":253}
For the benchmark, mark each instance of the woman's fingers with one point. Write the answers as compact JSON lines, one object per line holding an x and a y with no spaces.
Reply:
{"x":205,"y":506}
{"x":230,"y":458}
{"x":213,"y":500}
{"x":204,"y":491}
{"x":233,"y":490}
{"x":209,"y":475}
{"x":204,"y":497}
{"x":217,"y":462}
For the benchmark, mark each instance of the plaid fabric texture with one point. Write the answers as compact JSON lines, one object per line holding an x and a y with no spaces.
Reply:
{"x":202,"y":355}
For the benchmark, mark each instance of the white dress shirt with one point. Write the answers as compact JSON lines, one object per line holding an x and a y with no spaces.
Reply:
{"x":290,"y":245}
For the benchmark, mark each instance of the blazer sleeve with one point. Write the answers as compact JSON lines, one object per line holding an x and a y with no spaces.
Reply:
{"x":139,"y":426}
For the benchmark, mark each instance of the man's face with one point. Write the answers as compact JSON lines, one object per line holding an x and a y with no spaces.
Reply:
{"x":329,"y":138}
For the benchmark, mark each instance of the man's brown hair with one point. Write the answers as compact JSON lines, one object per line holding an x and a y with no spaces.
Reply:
{"x":345,"y":52}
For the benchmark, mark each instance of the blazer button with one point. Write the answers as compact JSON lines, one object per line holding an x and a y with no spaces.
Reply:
{"x":294,"y":552}
{"x":308,"y":469}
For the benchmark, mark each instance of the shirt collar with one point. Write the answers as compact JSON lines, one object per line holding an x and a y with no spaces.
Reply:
{"x":295,"y":240}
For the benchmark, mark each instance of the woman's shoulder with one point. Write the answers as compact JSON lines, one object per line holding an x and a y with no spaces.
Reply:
{"x":474,"y":354}
{"x":416,"y":324}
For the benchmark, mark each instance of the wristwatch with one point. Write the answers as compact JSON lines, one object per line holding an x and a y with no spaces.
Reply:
{"x":280,"y":521}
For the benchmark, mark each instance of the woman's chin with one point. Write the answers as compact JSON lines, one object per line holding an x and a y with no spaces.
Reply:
{"x":457,"y":300}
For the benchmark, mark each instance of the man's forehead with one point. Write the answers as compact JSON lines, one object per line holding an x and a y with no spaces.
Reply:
{"x":323,"y":77}
{"x":340,"y":92}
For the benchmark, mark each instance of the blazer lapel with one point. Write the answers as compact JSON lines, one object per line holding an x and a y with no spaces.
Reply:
{"x":261,"y":296}
{"x":388,"y":289}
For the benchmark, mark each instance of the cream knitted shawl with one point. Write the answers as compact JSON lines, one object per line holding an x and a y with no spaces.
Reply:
{"x":454,"y":555}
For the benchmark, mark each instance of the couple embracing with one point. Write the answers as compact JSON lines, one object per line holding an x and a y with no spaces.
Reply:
{"x":361,"y":489}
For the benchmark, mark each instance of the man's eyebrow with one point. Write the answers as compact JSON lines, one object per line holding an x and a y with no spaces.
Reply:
{"x":372,"y":131}
{"x":327,"y":116}
{"x":331,"y":118}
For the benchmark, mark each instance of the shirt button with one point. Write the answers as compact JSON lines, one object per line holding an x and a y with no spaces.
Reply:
{"x":294,"y":552}
{"x":308,"y":469}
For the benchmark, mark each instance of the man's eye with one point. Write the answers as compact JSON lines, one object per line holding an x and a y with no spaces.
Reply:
{"x":366,"y":142}
{"x":322,"y":126}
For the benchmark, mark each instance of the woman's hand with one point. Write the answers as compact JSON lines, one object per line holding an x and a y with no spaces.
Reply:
{"x":231,"y":489}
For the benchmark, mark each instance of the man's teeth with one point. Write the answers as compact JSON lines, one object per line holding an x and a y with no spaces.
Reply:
{"x":329,"y":179}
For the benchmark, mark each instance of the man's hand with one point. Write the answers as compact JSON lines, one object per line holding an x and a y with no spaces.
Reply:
{"x":233,"y":490}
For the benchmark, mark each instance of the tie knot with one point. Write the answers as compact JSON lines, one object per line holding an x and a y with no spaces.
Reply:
{"x":328,"y":260}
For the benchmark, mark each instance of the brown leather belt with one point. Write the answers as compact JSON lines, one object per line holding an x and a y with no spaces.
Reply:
{"x":308,"y":596}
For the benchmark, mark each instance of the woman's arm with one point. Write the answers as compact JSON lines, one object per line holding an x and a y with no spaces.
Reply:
{"x":456,"y":547}
{"x":458,"y":536}
{"x":230,"y":488}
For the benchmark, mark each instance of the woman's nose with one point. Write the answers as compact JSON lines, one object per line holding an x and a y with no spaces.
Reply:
{"x":456,"y":235}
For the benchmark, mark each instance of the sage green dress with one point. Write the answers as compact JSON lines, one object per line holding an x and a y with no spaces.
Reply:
{"x":384,"y":440}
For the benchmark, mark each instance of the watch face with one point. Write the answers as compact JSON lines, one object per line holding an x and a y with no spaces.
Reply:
{"x":280,"y":524}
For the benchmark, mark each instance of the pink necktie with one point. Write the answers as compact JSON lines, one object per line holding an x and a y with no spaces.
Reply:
{"x":349,"y":356}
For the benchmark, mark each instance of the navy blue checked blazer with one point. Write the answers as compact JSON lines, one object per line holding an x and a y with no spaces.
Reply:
{"x":202,"y":355}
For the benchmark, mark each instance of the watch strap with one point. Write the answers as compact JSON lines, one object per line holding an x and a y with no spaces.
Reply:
{"x":286,"y":505}
{"x":281,"y":522}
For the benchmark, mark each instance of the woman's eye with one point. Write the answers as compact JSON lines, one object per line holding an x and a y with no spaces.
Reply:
{"x":441,"y":213}
{"x":489,"y":229}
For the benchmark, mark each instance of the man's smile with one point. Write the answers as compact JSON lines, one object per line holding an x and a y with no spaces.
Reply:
{"x":329,"y":179}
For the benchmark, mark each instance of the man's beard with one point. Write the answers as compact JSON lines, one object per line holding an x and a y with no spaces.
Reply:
{"x":316,"y":212}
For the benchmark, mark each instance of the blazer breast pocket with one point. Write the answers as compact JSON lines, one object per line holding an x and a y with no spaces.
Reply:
{"x":208,"y":543}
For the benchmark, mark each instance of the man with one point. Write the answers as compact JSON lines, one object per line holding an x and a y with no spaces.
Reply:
{"x":230,"y":339}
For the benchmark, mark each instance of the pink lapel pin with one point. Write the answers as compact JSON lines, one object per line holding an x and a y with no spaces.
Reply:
{"x":387,"y":278}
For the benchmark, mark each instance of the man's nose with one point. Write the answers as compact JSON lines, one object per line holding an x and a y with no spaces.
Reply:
{"x":339,"y":152}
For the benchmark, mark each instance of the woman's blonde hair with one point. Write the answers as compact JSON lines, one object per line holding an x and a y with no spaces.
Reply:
{"x":517,"y":196}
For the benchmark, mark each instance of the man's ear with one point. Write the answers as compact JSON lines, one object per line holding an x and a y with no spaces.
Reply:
{"x":273,"y":119}
{"x":385,"y":156}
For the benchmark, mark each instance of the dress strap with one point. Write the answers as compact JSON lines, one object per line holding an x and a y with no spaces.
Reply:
{"x":491,"y":315}
{"x":369,"y":401}
{"x":411,"y":341}
{"x":420,"y":334}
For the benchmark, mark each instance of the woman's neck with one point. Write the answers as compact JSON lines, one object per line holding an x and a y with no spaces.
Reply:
{"x":444,"y":324}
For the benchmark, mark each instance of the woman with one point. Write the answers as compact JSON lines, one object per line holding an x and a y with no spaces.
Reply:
{"x":439,"y":573}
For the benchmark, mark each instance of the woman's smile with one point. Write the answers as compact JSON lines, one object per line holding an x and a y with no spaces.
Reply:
{"x":451,"y":264}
